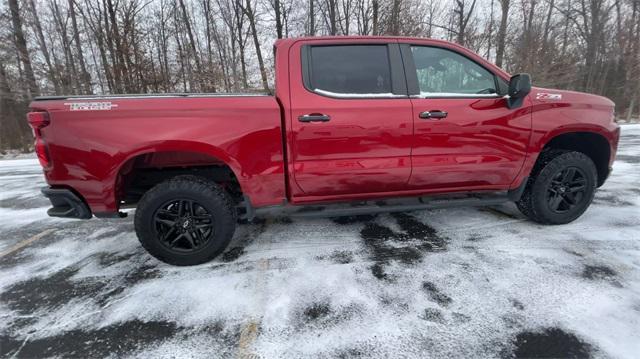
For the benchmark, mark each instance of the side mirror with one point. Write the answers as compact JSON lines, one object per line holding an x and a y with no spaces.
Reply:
{"x":519,"y":88}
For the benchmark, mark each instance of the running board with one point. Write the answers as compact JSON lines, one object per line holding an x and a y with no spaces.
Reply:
{"x":382,"y":206}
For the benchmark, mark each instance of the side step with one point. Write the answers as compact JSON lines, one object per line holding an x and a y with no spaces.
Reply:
{"x":383,"y":205}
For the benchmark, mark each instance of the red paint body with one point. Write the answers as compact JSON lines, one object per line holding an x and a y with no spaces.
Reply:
{"x":371,"y":147}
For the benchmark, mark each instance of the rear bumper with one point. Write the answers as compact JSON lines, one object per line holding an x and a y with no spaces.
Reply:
{"x":66,"y":204}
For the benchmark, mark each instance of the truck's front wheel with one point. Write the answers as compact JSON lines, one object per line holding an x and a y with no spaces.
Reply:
{"x":184,"y":221}
{"x":561,"y":187}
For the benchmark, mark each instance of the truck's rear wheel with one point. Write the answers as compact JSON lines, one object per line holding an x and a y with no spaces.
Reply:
{"x":560,"y":189}
{"x":185,"y":221}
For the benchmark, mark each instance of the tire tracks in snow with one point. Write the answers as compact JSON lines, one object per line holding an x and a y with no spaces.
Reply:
{"x":250,"y":330}
{"x":16,"y":247}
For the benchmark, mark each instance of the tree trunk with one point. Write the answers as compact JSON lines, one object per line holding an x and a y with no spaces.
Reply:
{"x":312,"y":19}
{"x":112,"y":83}
{"x":502,"y":32}
{"x":375,"y":17}
{"x":222,"y":56}
{"x":463,"y":19}
{"x":565,"y":31}
{"x":528,"y":50}
{"x":70,"y":81}
{"x":207,"y":18}
{"x":243,"y":67}
{"x":86,"y":78}
{"x":37,"y":27}
{"x":346,"y":14}
{"x":119,"y":60}
{"x":242,"y":43}
{"x":547,"y":29}
{"x":277,"y":9}
{"x":181,"y":58}
{"x":395,"y":18}
{"x":256,"y":42}
{"x":333,"y":17}
{"x":490,"y":34}
{"x":21,"y":46}
{"x":163,"y":49}
{"x":192,"y":42}
{"x":97,"y":66}
{"x":14,"y":131}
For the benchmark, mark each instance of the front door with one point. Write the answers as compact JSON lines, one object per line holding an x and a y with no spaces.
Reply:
{"x":350,"y":119}
{"x":465,"y":136}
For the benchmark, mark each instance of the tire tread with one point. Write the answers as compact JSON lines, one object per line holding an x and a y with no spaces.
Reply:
{"x":546,"y":166}
{"x":189,"y":183}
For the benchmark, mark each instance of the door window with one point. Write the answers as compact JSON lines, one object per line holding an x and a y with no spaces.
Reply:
{"x":444,"y":73}
{"x":350,"y":71}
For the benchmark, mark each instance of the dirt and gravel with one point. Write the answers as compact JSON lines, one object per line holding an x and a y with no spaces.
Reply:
{"x":462,"y":282}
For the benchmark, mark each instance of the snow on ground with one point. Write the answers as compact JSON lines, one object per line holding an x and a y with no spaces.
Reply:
{"x":16,"y":155}
{"x":442,"y":283}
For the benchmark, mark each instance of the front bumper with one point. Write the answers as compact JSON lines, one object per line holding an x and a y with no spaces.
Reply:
{"x":66,"y":204}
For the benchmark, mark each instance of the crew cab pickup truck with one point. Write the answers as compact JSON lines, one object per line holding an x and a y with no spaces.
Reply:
{"x":355,"y":125}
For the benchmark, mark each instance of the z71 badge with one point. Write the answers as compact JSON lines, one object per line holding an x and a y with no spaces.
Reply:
{"x":548,"y":96}
{"x":90,"y":106}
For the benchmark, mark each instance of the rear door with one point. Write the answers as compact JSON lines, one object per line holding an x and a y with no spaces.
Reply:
{"x":465,"y":136}
{"x":351,"y":123}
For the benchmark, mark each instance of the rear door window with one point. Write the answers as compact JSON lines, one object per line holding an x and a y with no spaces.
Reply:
{"x":350,"y":71}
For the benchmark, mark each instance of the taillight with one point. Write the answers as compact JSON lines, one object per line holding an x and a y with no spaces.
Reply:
{"x":37,"y":121}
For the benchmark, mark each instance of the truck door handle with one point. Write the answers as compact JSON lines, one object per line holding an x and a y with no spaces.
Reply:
{"x":435,"y":114}
{"x":314,"y":117}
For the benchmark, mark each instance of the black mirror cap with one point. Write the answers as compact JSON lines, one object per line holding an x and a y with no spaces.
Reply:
{"x":519,"y":88}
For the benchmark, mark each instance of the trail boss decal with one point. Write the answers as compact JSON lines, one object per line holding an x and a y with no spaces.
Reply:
{"x":548,"y":96}
{"x":90,"y":106}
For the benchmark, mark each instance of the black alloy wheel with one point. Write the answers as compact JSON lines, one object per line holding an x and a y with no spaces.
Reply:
{"x":184,"y":225}
{"x":566,"y":190}
{"x":560,"y":188}
{"x":186,"y":220}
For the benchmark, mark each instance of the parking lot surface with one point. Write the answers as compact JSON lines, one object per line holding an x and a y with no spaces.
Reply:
{"x":463,"y":282}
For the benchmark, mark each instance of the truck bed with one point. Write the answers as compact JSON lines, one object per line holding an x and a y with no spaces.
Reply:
{"x":94,"y":140}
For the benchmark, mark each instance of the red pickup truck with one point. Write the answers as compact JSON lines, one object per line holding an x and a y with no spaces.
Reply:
{"x":356,"y":125}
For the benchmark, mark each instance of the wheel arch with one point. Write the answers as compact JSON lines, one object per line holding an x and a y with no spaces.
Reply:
{"x":593,"y":142}
{"x":173,"y":154}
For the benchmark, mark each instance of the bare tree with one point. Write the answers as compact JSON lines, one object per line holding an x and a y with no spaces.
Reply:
{"x":375,"y":10}
{"x":394,"y":26}
{"x":363,"y":17}
{"x":248,"y":10}
{"x":502,"y":31}
{"x":329,"y":10}
{"x":590,"y":19}
{"x":490,"y":31}
{"x":86,"y":78}
{"x":192,"y":43}
{"x":462,"y":16}
{"x":276,"y":5}
{"x":312,"y":18}
{"x":21,"y":47}
{"x":14,"y":131}
{"x":37,"y":28}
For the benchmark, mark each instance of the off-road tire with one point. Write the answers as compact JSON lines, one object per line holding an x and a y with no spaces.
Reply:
{"x":209,"y":197}
{"x":534,"y":203}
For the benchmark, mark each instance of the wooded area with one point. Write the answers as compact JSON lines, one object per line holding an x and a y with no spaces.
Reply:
{"x":140,"y":46}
